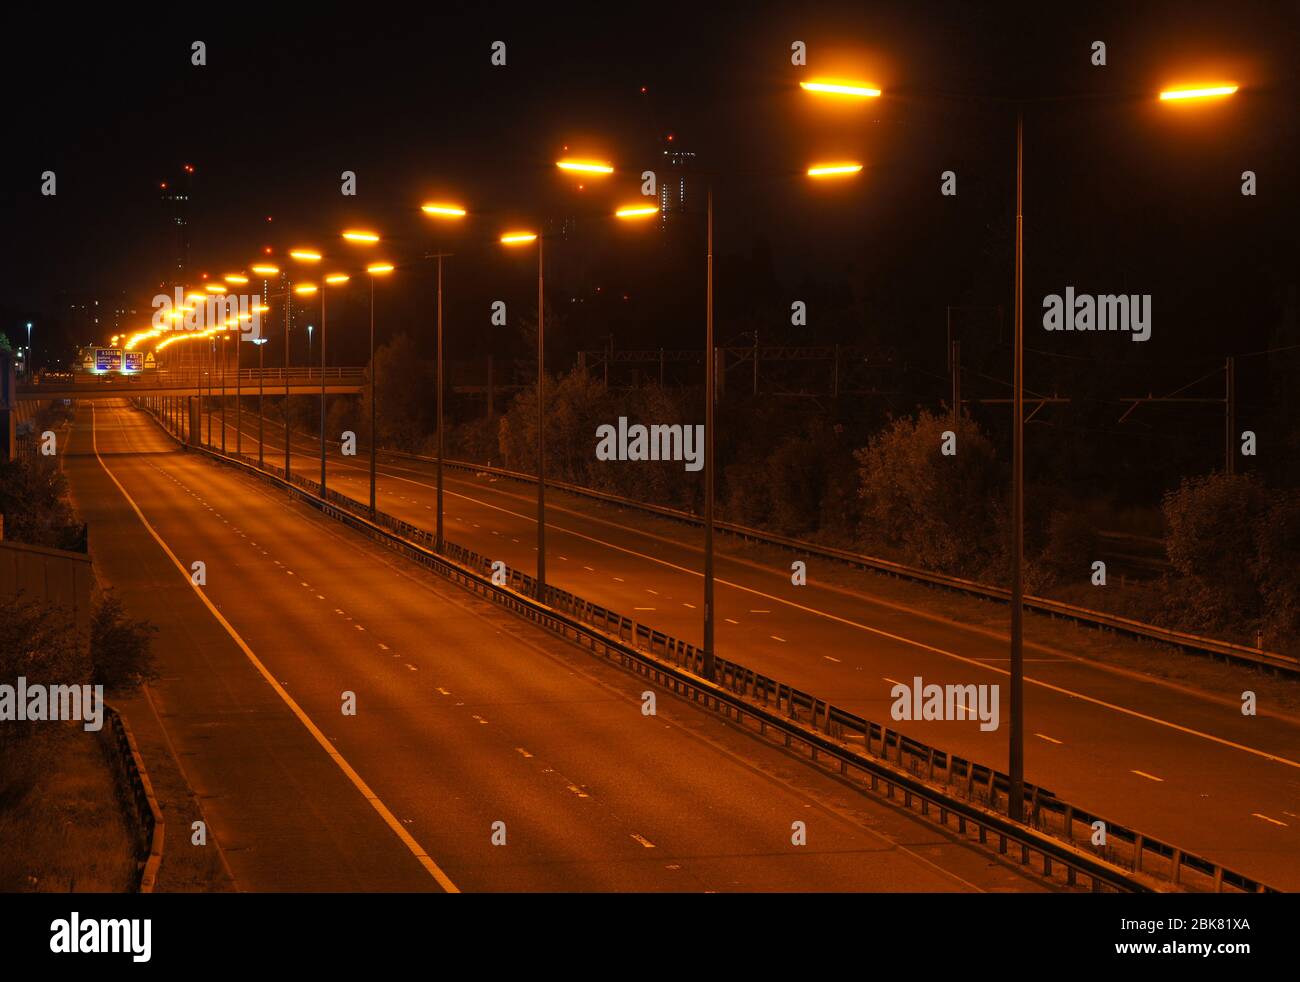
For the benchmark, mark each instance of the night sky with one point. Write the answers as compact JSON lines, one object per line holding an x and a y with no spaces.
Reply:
{"x":1122,"y":194}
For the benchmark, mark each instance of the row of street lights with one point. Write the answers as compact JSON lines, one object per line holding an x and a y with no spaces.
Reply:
{"x":831,"y":170}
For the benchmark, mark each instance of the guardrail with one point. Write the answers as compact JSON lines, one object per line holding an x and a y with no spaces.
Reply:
{"x":185,"y":378}
{"x":1227,"y":650}
{"x":927,"y":778}
{"x":145,"y":815}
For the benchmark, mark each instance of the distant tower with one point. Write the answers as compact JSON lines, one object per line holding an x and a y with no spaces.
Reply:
{"x":176,"y":195}
{"x":676,"y":183}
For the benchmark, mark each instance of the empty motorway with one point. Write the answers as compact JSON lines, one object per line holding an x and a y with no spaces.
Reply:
{"x":1185,"y":767}
{"x":468,"y":723}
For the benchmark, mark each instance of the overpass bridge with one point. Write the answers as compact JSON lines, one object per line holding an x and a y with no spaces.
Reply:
{"x":272,"y":381}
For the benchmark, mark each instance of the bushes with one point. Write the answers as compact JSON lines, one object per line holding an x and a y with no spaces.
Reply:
{"x":1211,"y":539}
{"x":405,"y":408}
{"x":1277,"y":569}
{"x":120,"y":648}
{"x":38,"y":641}
{"x":940,"y":512}
{"x":1235,"y":543}
{"x":1071,"y":546}
{"x":33,"y":501}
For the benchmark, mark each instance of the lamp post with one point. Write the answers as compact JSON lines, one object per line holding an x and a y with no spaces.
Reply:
{"x":332,"y":279}
{"x":1181,"y":95}
{"x":261,"y":371}
{"x":374,"y":269}
{"x":363,"y":238}
{"x":225,"y":336}
{"x":1016,"y":748}
{"x":516,"y":239}
{"x":710,"y":381}
{"x":269,"y":269}
{"x":237,"y":279}
{"x":264,"y":270}
{"x":442,"y":212}
{"x":309,"y":257}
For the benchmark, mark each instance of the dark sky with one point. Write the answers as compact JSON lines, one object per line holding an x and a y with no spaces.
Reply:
{"x":1121,"y":193}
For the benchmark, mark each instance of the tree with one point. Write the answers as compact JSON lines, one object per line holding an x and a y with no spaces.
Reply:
{"x":34,"y":505}
{"x":1211,"y":540}
{"x":405,"y":413}
{"x":1277,"y":544}
{"x":939,"y":511}
{"x":121,"y":649}
{"x":39,"y":642}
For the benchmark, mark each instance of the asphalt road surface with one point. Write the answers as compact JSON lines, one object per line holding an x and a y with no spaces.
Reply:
{"x":465,"y":717}
{"x":1178,"y":765}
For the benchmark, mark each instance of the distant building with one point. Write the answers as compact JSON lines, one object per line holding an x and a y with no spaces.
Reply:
{"x":677,"y":184}
{"x":94,"y":318}
{"x":175,"y":195}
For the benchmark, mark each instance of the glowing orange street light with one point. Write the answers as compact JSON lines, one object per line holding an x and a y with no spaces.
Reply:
{"x":265,"y":269}
{"x":305,"y":255}
{"x":833,"y":170}
{"x":443,"y":210}
{"x":215,"y":288}
{"x":331,"y":279}
{"x":636,"y":211}
{"x":1197,"y":92}
{"x":585,"y":166}
{"x":237,"y":278}
{"x":374,"y":270}
{"x":518,"y":239}
{"x":365,"y":238}
{"x":829,"y":87}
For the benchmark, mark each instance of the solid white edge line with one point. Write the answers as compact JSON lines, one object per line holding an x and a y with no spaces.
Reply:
{"x":389,"y":818}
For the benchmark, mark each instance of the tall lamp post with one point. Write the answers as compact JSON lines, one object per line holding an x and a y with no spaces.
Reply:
{"x":519,"y":239}
{"x":1016,"y":736}
{"x":442,"y":212}
{"x":214,"y":290}
{"x":238,"y":279}
{"x":261,"y":372}
{"x":331,"y":279}
{"x":225,"y":337}
{"x":363,"y":238}
{"x":265,"y":269}
{"x":307,"y":257}
{"x":374,"y":270}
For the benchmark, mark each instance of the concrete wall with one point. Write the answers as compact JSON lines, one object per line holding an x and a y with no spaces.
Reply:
{"x":48,"y":575}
